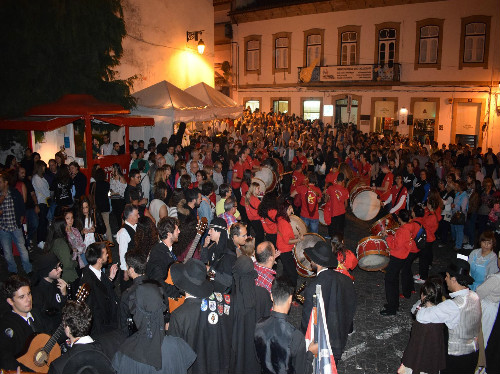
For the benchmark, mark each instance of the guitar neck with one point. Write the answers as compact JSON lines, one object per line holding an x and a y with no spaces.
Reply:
{"x":194,"y":244}
{"x":54,"y":338}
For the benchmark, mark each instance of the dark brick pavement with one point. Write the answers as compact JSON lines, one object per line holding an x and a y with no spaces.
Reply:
{"x":378,"y":342}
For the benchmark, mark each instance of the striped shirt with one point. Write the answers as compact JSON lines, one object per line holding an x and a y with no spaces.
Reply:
{"x":8,"y":216}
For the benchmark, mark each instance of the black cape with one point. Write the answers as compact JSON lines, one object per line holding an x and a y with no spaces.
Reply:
{"x":339,"y":298}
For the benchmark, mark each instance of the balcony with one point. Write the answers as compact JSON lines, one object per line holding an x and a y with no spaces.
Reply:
{"x":360,"y":74}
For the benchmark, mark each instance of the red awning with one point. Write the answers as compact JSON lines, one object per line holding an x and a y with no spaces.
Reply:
{"x":36,"y":123}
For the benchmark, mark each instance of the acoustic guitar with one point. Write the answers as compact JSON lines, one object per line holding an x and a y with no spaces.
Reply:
{"x":44,"y":349}
{"x":173,"y":304}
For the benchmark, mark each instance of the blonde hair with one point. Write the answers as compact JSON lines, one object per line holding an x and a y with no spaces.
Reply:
{"x":251,"y":192}
{"x":160,"y":175}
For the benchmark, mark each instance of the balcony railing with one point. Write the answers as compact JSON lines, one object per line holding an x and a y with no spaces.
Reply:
{"x":351,"y":73}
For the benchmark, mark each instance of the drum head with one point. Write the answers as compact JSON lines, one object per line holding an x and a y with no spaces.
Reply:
{"x":268,"y":177}
{"x":298,"y":226}
{"x":365,"y":204}
{"x":298,"y":251}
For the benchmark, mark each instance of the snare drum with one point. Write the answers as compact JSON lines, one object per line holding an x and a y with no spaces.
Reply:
{"x":303,"y":265}
{"x":365,"y":204}
{"x":298,"y":226}
{"x":387,"y":223}
{"x":373,"y":253}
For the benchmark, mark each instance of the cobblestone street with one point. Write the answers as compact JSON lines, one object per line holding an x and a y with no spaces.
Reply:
{"x":378,"y":342}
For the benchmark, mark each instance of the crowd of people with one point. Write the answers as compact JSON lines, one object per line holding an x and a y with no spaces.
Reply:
{"x":180,"y":251}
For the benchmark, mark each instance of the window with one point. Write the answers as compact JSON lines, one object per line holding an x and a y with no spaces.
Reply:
{"x":386,"y":46}
{"x":252,"y":54}
{"x":312,"y":109}
{"x":428,"y":45}
{"x":280,"y":106}
{"x":252,"y":104}
{"x":474,"y":41}
{"x":281,"y":56}
{"x":348,"y":48}
{"x":475,"y":35}
{"x":429,"y":40}
{"x":313,"y":46}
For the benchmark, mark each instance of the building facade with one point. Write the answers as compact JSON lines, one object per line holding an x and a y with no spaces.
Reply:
{"x":429,"y":69}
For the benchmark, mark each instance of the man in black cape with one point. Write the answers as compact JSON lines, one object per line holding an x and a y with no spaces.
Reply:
{"x":250,"y":304}
{"x":339,"y":297}
{"x":204,"y":320}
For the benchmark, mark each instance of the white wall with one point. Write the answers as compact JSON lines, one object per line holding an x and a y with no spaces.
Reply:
{"x":162,"y":53}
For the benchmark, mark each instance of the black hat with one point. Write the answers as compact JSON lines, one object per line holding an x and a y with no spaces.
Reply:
{"x":218,"y":224}
{"x":322,"y":255}
{"x":46,"y":263}
{"x":191,"y":277}
{"x":460,"y":269}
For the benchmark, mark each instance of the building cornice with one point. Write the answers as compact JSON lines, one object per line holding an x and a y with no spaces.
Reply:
{"x":273,"y":11}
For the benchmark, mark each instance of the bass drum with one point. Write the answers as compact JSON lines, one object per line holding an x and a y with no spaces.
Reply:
{"x":387,"y":223}
{"x":373,"y":253}
{"x":302,"y":263}
{"x":280,"y":169}
{"x":298,"y":226}
{"x":321,"y":212}
{"x":352,"y":183}
{"x":365,"y":204}
{"x":267,"y":178}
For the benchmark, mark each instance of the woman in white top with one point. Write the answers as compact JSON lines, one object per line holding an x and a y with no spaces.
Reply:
{"x":489,"y":293}
{"x":158,"y":208}
{"x":117,"y":186}
{"x":42,"y":192}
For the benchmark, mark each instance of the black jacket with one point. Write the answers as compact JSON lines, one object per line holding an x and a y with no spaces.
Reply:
{"x":102,"y":301}
{"x":339,"y":298}
{"x":280,"y":347}
{"x":15,"y":334}
{"x":48,"y":302}
{"x":157,"y":268}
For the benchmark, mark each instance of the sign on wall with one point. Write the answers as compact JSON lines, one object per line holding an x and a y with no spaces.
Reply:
{"x":468,"y":116}
{"x":327,"y":110}
{"x":346,"y":73}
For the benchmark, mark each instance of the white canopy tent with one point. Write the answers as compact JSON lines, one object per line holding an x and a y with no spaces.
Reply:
{"x":219,"y":105}
{"x":167,"y":104}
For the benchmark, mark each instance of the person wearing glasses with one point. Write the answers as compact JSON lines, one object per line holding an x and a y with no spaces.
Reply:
{"x":49,"y":291}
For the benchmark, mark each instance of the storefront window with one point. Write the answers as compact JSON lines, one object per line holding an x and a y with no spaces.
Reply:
{"x":312,"y":109}
{"x":253,"y":105}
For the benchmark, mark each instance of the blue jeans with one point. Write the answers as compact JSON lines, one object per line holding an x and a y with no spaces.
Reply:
{"x":32,"y":222}
{"x":457,"y":233}
{"x":312,"y":224}
{"x":6,"y":239}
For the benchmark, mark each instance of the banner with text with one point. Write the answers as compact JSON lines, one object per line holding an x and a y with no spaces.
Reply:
{"x":346,"y":73}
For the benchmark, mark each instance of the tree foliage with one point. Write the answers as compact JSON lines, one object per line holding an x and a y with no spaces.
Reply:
{"x":56,"y":47}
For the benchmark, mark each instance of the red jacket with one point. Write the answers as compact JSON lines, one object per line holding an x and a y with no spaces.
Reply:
{"x":402,"y":242}
{"x":431,"y":223}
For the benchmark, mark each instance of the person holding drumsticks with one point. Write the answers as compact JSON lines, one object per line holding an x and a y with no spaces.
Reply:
{"x":286,"y":240}
{"x":400,"y":245}
{"x":384,"y":191}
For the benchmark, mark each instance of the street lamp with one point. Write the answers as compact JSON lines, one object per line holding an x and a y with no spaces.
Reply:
{"x":193,"y":35}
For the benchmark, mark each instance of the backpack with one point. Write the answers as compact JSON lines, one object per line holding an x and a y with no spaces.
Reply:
{"x":421,"y":237}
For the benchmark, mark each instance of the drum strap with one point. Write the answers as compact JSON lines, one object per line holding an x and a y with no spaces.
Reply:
{"x":398,"y":195}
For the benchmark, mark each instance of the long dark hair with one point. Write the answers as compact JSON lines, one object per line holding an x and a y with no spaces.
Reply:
{"x":57,"y":230}
{"x":433,"y":290}
{"x":282,"y":210}
{"x":247,"y":177}
{"x":338,"y":246}
{"x":80,"y":217}
{"x":146,"y":235}
{"x":62,"y":175}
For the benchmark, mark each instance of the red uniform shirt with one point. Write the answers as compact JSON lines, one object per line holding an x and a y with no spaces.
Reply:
{"x":365,"y":172}
{"x":338,"y":195}
{"x":298,"y":179}
{"x":398,"y":198}
{"x":269,"y":226}
{"x":331,"y":177}
{"x":237,"y":172}
{"x":251,"y":208}
{"x":248,"y":164}
{"x":244,"y":190}
{"x":285,"y":233}
{"x":302,"y":160}
{"x":388,"y":181}
{"x":311,"y":197}
{"x":402,"y":242}
{"x":349,"y":263}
